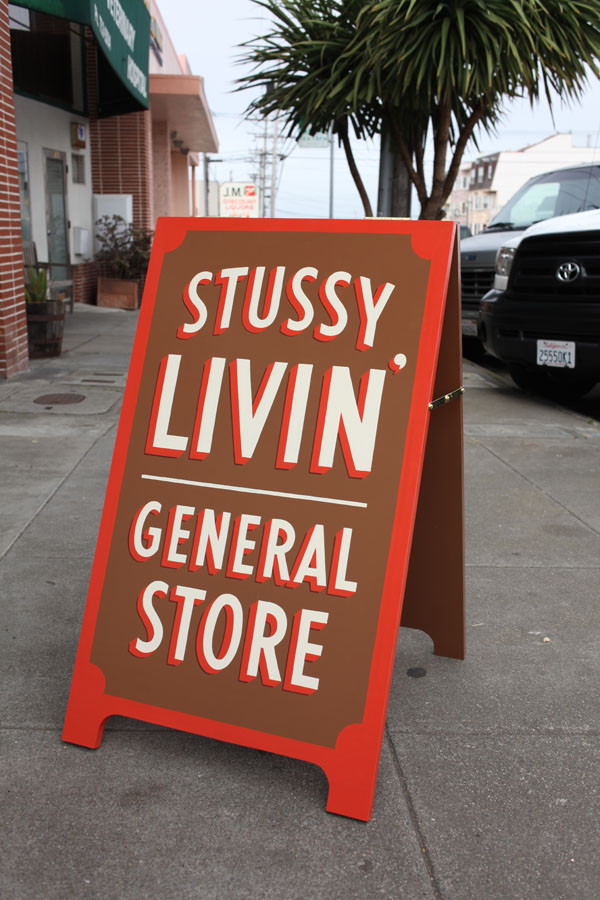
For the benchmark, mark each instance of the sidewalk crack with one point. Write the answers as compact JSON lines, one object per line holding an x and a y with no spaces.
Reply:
{"x":437,"y":893}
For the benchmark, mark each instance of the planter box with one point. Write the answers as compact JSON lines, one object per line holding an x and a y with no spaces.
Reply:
{"x":118,"y":293}
{"x":45,"y":327}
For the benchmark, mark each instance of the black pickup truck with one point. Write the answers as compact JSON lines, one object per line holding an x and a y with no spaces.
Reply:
{"x":542,"y":317}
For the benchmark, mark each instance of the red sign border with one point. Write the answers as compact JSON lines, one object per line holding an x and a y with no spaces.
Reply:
{"x":351,"y":766}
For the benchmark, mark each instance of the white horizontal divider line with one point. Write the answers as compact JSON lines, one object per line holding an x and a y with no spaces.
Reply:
{"x":247,"y":490}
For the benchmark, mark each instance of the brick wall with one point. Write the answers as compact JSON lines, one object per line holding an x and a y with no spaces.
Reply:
{"x":13,"y":322}
{"x":85,"y":277}
{"x":161,"y":151}
{"x":121,"y":150}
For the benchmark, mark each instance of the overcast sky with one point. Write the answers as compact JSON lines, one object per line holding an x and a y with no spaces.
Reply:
{"x":209,"y":33}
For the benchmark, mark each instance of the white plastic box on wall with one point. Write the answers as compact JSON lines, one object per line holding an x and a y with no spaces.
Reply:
{"x":112,"y":205}
{"x":80,"y":241}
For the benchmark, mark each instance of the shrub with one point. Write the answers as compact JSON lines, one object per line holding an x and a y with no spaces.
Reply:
{"x":124,"y":250}
{"x":36,"y":288}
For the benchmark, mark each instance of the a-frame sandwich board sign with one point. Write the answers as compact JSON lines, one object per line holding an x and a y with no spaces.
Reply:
{"x":286,"y":428}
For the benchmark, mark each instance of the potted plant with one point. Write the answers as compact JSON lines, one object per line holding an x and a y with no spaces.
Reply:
{"x":45,"y":317}
{"x":123,"y":261}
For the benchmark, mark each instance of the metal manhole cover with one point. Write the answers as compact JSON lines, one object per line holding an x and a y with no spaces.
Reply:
{"x":57,"y":399}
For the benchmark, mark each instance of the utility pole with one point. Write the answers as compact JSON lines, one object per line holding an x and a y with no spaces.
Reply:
{"x":207,"y":161}
{"x":263,"y":171}
{"x":193,"y":165}
{"x":331,"y":154}
{"x":267,"y":161}
{"x":206,"y":185}
{"x":274,"y":168}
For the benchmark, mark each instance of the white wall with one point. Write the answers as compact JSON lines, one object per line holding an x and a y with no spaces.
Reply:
{"x":41,"y":127}
{"x":213,"y":197}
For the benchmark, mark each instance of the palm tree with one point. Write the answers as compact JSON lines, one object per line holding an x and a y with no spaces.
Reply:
{"x":457,"y":61}
{"x":422,"y":69}
{"x":293,"y":64}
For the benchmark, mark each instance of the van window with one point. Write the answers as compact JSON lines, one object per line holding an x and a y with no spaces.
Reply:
{"x":538,"y":203}
{"x":554,"y":194}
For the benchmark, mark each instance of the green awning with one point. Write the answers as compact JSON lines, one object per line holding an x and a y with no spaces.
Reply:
{"x":122,"y":30}
{"x":73,"y":10}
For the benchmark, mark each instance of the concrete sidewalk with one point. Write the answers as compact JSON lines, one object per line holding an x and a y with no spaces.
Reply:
{"x":488,"y":786}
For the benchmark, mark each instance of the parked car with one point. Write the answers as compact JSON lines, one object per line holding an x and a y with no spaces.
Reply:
{"x":542,"y":317}
{"x":557,"y":193}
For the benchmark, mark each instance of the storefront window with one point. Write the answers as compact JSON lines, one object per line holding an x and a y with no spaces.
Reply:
{"x":48,"y":58}
{"x":78,"y":168}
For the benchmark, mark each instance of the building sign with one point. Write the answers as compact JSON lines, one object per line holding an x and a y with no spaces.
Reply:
{"x":156,"y":32}
{"x":122,"y":30}
{"x":156,"y":39}
{"x":78,"y":135}
{"x":314,"y":141}
{"x":239,"y":199}
{"x":257,"y":529}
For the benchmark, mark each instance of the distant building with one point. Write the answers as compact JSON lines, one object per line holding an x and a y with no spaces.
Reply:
{"x":98,"y":113}
{"x":458,"y":202}
{"x":207,"y":198}
{"x":486,"y":184}
{"x":182,"y":126}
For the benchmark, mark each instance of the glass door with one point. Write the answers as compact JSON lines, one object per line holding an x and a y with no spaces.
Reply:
{"x":56,"y":214}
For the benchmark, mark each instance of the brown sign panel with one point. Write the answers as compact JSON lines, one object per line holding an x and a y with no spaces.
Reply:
{"x":256,"y":534}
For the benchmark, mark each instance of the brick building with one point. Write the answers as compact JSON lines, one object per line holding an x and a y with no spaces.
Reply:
{"x":96,"y":109}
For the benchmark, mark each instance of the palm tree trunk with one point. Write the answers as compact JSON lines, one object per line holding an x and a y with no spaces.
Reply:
{"x":343,"y":133}
{"x":395,"y":185}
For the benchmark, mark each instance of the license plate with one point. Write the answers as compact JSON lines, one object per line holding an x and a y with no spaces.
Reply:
{"x":469,"y":327}
{"x":558,"y":354}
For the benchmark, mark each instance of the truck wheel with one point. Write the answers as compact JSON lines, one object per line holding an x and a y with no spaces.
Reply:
{"x":557,"y":384}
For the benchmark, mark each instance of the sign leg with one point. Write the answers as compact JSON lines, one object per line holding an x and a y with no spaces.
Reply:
{"x":434,"y":596}
{"x":352,"y":776}
{"x":434,"y":600}
{"x":87,"y":711}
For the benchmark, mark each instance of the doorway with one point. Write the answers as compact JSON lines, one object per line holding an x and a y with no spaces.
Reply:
{"x":57,"y":223}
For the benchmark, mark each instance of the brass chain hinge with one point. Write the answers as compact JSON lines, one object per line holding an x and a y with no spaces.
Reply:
{"x":441,"y":401}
